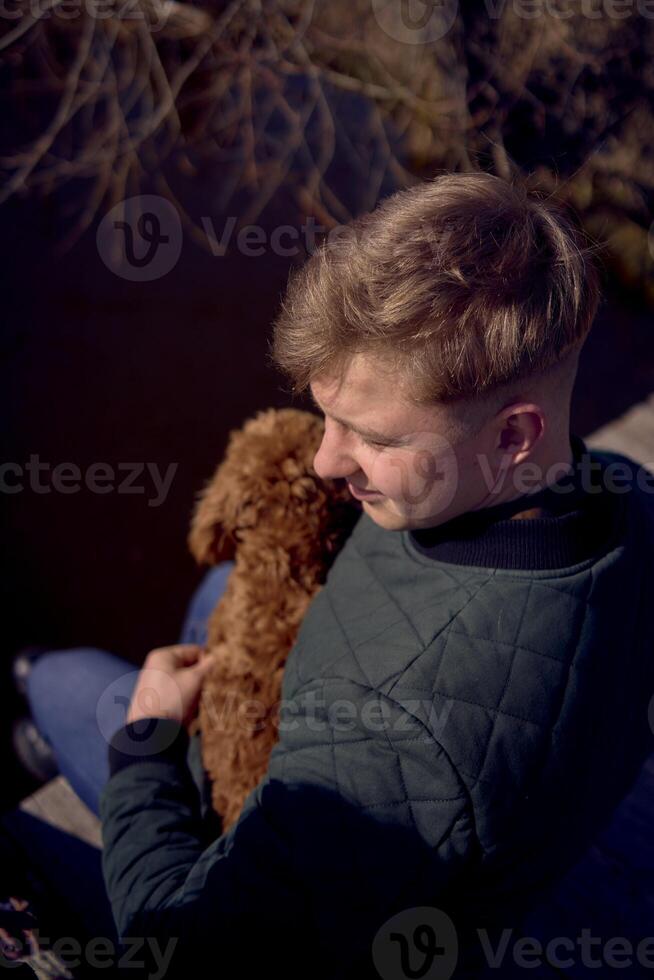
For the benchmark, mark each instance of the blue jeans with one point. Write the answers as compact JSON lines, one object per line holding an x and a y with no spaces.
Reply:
{"x":79,"y":697}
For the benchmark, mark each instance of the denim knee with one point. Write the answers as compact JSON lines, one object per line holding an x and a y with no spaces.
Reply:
{"x":64,"y":684}
{"x":203,"y":602}
{"x":47,"y":678}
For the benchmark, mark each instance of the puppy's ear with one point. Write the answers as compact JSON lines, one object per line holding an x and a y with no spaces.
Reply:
{"x":208,"y":540}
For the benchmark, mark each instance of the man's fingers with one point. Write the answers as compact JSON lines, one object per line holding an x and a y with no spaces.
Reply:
{"x":177,"y":654}
{"x":205,"y":662}
{"x":189,"y":654}
{"x":198,"y":658}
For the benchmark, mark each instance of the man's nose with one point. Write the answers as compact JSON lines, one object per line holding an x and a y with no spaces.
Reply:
{"x":332,"y":461}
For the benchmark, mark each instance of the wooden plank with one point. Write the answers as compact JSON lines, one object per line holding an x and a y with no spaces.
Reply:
{"x":57,"y":804}
{"x":625,"y":443}
{"x":632,"y":434}
{"x":58,"y":837}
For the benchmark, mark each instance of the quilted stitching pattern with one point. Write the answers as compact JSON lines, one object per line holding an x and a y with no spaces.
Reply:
{"x":503,"y":692}
{"x":448,"y":735}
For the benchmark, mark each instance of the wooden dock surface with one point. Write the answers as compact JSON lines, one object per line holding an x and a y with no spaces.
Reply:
{"x":57,"y":804}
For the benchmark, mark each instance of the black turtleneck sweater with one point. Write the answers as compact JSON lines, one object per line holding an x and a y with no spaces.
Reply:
{"x":578,"y":523}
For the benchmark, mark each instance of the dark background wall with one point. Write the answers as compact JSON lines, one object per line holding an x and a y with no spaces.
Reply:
{"x":97,"y":369}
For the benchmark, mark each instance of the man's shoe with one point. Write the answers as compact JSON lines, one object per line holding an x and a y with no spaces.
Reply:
{"x":32,"y":750}
{"x":21,"y":665}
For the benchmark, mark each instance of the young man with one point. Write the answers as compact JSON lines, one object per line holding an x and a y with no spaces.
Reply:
{"x":467,"y":699}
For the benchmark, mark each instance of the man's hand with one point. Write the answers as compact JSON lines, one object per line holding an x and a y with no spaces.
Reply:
{"x":169,"y":683}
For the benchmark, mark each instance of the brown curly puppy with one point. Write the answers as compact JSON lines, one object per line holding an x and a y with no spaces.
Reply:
{"x":266,"y":508}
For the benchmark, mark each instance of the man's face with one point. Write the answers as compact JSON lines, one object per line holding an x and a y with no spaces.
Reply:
{"x":378,"y":441}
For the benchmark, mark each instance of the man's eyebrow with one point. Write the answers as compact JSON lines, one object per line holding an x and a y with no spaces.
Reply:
{"x":366,"y":433}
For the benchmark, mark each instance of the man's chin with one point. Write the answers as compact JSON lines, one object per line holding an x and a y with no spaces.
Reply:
{"x":383,"y":515}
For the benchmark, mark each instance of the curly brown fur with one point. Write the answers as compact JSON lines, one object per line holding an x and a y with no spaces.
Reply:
{"x":266,"y":508}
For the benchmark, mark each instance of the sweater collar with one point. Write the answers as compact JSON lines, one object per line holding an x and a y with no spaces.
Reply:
{"x":579,"y":519}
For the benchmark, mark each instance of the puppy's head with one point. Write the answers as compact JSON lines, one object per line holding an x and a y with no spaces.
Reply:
{"x":267,"y":471}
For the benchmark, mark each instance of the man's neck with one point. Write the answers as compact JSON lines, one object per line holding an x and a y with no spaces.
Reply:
{"x":556,"y":464}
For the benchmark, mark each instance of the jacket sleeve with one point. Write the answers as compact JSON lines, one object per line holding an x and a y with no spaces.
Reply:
{"x":359,"y":816}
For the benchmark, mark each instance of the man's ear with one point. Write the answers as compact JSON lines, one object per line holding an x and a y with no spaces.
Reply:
{"x":521,"y":427}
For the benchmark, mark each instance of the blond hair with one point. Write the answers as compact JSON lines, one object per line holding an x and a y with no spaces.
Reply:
{"x":463,"y":284}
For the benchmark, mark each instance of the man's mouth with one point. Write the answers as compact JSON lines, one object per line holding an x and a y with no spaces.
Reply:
{"x":362,"y":494}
